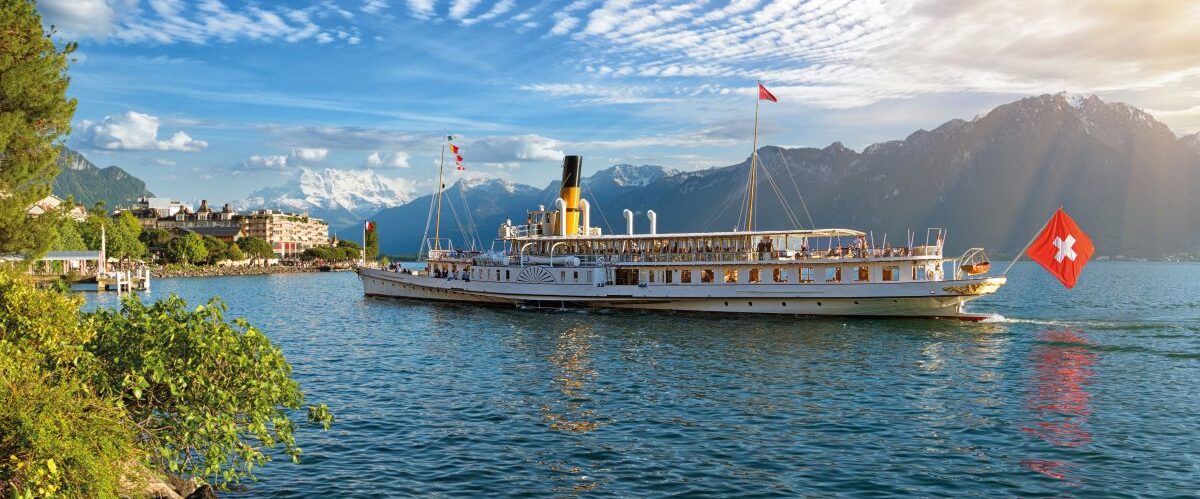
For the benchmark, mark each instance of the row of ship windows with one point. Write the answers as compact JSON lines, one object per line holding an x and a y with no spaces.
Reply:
{"x":689,"y":276}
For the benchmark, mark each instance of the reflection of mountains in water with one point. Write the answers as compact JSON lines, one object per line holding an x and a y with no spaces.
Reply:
{"x":992,"y":181}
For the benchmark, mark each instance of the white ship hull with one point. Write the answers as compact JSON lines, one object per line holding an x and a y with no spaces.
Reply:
{"x":892,"y":299}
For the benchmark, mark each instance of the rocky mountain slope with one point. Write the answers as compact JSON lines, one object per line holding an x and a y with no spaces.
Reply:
{"x":88,"y":184}
{"x":992,"y":181}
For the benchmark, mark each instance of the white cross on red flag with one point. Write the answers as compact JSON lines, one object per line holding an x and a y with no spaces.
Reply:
{"x":1062,"y":248}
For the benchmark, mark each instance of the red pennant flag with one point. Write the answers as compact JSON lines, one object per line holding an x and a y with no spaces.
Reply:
{"x":460,"y":158}
{"x":1062,"y":248}
{"x":461,"y":167}
{"x":453,"y":148}
{"x":764,"y":94}
{"x":370,"y":226}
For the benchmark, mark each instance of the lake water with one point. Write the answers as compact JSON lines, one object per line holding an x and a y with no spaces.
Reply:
{"x":1087,"y":392}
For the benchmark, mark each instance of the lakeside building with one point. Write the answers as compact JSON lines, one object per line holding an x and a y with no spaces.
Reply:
{"x":54,"y":203}
{"x":288,"y":233}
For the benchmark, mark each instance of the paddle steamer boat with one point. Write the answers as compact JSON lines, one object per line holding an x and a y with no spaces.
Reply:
{"x":558,"y":259}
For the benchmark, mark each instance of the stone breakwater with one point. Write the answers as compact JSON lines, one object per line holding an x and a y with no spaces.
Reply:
{"x":160,"y":272}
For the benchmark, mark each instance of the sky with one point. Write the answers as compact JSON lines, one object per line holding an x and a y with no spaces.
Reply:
{"x":218,"y":98}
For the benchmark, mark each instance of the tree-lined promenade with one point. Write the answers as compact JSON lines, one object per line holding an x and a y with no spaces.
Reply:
{"x":121,"y":402}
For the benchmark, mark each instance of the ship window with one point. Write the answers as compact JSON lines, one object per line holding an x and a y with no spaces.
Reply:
{"x":833,"y":274}
{"x":731,"y":275}
{"x":576,"y":276}
{"x":670,"y":275}
{"x":806,"y":274}
{"x":864,"y":274}
{"x":497,"y":274}
{"x":652,"y":272}
{"x":891,"y":273}
{"x":706,"y":275}
{"x":780,"y":275}
{"x":507,"y":275}
{"x":754,"y":275}
{"x":918,"y":272}
{"x":562,"y":276}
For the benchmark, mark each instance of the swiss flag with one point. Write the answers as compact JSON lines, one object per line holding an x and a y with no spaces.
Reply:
{"x":764,"y":94}
{"x":1062,"y":248}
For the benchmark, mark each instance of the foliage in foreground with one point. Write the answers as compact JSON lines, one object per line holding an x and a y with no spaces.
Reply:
{"x":207,"y":396}
{"x":57,"y":437}
{"x":91,"y":398}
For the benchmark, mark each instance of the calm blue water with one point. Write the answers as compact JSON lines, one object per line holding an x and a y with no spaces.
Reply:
{"x":1088,"y":392}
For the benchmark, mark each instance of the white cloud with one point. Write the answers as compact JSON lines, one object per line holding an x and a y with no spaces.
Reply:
{"x":78,"y":17}
{"x":374,"y":7}
{"x":300,"y":156}
{"x":384,"y":159}
{"x":460,"y":8}
{"x":421,"y":9}
{"x":563,"y":24}
{"x":599,"y":94}
{"x":133,"y":131}
{"x":172,"y":21}
{"x":272,"y":162}
{"x":499,"y":149}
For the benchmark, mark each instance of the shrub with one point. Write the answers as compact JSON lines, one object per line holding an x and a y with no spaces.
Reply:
{"x":208,"y":397}
{"x":57,"y":436}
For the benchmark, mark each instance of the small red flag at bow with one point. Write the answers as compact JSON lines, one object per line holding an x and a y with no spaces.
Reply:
{"x":764,"y":94}
{"x":1062,"y":248}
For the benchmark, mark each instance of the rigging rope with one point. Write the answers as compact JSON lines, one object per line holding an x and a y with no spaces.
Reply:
{"x":787,"y":210}
{"x":788,"y":169}
{"x":592,"y":194}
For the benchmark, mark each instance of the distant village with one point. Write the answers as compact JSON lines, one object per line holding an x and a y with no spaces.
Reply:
{"x":171,"y":232}
{"x":288,"y":233}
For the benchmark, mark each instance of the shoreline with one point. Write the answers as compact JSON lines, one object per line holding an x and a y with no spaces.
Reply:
{"x":164,"y":273}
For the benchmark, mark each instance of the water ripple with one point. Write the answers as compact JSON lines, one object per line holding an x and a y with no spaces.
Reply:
{"x":1090,"y":392}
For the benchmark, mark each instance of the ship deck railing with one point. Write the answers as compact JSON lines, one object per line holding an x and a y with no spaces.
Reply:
{"x":775,"y":257}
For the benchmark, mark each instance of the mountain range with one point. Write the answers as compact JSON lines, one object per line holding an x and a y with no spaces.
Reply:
{"x":991,"y":181}
{"x":340,"y":197}
{"x":89,"y":184}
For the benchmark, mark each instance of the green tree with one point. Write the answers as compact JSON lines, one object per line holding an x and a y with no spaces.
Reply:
{"x":189,"y":248}
{"x":34,"y":115}
{"x":121,"y":235}
{"x":210,"y":397}
{"x":216,"y":249}
{"x":155,"y":238}
{"x":255,"y":247}
{"x":67,"y":237}
{"x":233,"y":252}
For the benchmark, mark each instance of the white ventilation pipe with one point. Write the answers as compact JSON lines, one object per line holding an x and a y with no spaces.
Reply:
{"x":653,"y":221}
{"x":562,"y":216}
{"x":585,"y":214}
{"x":628,"y":221}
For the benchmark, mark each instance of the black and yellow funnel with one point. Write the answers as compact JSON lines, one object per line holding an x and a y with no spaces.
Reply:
{"x":572,"y":169}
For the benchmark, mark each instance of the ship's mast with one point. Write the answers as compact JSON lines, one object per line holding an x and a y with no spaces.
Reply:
{"x":437,"y":224}
{"x":753,"y":183}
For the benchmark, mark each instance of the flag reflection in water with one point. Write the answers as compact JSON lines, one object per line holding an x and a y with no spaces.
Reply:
{"x":1063,"y":364}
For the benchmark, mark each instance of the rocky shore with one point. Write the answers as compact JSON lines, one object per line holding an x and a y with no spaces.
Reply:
{"x":214,"y":271}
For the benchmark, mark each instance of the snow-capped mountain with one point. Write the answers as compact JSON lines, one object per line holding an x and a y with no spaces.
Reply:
{"x":341,"y":197}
